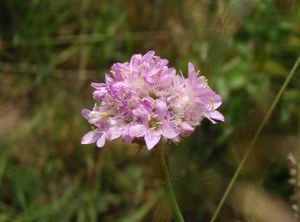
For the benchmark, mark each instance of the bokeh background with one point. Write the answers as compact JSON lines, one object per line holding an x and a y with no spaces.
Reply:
{"x":50,"y":52}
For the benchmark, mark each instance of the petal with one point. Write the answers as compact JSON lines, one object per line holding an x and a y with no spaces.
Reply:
{"x":97,"y":85}
{"x":191,"y":67}
{"x":90,"y":137}
{"x":85,"y":113}
{"x":168,"y":75}
{"x":141,"y":112}
{"x":137,"y":130}
{"x":151,"y":139}
{"x":149,"y":79}
{"x":127,"y":138}
{"x":114,"y":132}
{"x":169,"y":130}
{"x":148,"y":102}
{"x":134,"y":61}
{"x":101,"y":141}
{"x":217,"y":115}
{"x":148,"y":55}
{"x":203,"y":91}
{"x":161,"y":107}
{"x":108,"y":79}
{"x":117,"y":67}
{"x":217,"y":101}
{"x":186,"y":128}
{"x":192,"y":75}
{"x":99,"y":94}
{"x":94,"y":116}
{"x":209,"y":118}
{"x":163,"y":62}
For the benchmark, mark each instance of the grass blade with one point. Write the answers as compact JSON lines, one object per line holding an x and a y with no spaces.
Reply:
{"x":253,"y":141}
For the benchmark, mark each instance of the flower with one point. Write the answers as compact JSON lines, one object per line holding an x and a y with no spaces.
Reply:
{"x":145,"y":100}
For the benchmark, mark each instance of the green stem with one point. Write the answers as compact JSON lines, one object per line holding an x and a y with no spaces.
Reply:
{"x":167,"y":185}
{"x":253,"y":141}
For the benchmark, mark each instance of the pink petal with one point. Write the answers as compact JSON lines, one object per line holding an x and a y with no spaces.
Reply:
{"x":149,"y":79}
{"x":90,"y":137}
{"x":137,"y":130}
{"x":168,"y":75}
{"x":148,"y":102}
{"x":134,"y":61}
{"x":97,"y":85}
{"x":161,"y":107}
{"x":151,"y":139}
{"x":209,"y":118}
{"x":217,"y":115}
{"x":101,"y":141}
{"x":148,"y":55}
{"x":217,"y":101}
{"x":169,"y":130}
{"x":98,"y":94}
{"x":108,"y":79}
{"x":114,"y":132}
{"x":192,"y":76}
{"x":85,"y":113}
{"x":141,"y":112}
{"x":127,"y":138}
{"x":186,"y":128}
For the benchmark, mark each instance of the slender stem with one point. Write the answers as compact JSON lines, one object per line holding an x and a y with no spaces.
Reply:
{"x":254,"y":139}
{"x":167,"y":185}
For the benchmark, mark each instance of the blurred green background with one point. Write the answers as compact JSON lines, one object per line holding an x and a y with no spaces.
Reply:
{"x":50,"y":52}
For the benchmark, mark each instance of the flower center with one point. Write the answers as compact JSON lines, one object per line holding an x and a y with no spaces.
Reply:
{"x":154,"y":123}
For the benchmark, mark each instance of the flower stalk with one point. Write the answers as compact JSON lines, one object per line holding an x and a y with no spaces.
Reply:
{"x":159,"y":152}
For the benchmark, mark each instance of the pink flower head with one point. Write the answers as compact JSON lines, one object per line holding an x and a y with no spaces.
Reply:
{"x":145,"y":100}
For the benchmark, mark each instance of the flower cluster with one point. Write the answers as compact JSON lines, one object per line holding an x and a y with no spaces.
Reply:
{"x":145,"y":101}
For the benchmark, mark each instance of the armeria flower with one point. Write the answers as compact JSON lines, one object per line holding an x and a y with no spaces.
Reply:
{"x":145,"y":101}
